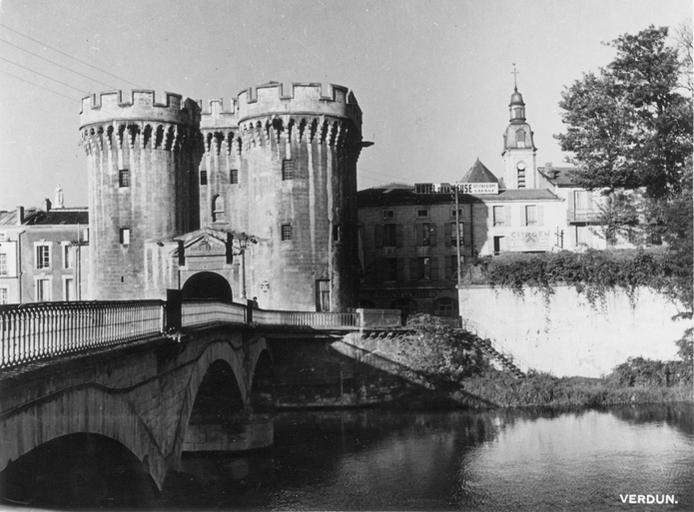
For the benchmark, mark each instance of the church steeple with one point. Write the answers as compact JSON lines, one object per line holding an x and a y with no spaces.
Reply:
{"x":519,"y":146}
{"x":516,"y":107}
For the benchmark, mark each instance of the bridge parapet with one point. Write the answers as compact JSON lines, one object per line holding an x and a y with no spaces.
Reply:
{"x":34,"y":332}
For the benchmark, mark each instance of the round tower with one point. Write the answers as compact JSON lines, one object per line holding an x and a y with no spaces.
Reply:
{"x":142,"y":159}
{"x":280,"y":165}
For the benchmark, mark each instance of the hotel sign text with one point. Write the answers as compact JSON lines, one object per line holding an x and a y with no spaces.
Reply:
{"x":478,"y":188}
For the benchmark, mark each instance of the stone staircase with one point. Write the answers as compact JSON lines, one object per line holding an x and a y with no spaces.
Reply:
{"x":485,"y":345}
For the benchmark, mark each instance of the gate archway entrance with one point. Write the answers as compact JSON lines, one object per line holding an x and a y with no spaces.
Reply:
{"x":207,"y":285}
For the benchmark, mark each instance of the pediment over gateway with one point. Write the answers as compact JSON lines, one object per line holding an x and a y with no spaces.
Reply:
{"x":205,"y":243}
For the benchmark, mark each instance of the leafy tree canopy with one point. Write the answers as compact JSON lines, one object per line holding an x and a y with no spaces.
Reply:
{"x":629,"y":125}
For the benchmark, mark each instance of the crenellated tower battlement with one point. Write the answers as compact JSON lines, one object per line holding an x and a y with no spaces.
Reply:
{"x":137,"y":105}
{"x":277,"y":162}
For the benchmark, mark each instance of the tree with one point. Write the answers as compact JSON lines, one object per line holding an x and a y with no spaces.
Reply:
{"x":628,"y":125}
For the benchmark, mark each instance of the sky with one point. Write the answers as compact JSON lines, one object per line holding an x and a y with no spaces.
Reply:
{"x":433,"y":77}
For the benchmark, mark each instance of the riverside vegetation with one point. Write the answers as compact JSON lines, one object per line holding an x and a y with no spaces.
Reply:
{"x":449,"y":354}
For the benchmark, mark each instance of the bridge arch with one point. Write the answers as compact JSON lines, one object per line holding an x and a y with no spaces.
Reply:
{"x":83,"y":469}
{"x":129,"y":430}
{"x":229,"y":351}
{"x":207,"y":285}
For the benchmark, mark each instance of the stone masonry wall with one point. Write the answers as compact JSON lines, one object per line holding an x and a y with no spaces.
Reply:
{"x":567,"y":335}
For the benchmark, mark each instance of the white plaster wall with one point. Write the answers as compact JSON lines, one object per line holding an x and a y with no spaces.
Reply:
{"x":568,"y":336}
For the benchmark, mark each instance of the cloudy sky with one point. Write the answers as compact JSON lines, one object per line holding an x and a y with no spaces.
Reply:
{"x":432,"y":77}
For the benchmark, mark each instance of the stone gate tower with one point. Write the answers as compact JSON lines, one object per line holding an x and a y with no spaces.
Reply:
{"x":142,"y":158}
{"x":280,"y":165}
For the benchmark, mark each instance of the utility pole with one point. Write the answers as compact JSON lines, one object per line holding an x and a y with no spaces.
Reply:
{"x":457,"y":233}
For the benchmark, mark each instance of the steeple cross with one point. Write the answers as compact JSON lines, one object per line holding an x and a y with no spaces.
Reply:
{"x":515,"y":73}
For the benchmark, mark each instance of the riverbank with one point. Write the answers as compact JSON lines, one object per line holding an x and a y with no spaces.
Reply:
{"x":544,"y":390}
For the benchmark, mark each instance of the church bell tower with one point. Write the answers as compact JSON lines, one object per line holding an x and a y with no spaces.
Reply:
{"x":519,"y":145}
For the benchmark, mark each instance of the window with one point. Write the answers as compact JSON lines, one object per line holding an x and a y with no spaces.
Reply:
{"x":4,"y":296}
{"x":388,"y":214}
{"x":287,"y":169}
{"x":337,"y":232}
{"x":421,"y":268}
{"x":286,"y":232}
{"x":520,"y":138}
{"x":582,"y":200}
{"x":234,"y":176}
{"x":389,"y":235}
{"x":3,"y":264}
{"x":499,"y":245}
{"x":460,"y":213}
{"x":499,"y":215}
{"x":124,"y":178}
{"x":125,"y":236}
{"x":451,"y":267}
{"x":425,"y":234}
{"x":85,"y":235}
{"x":217,"y":209}
{"x":68,"y":289}
{"x":521,"y":175}
{"x":530,"y":215}
{"x":463,"y":227}
{"x":203,"y":177}
{"x":583,"y":235}
{"x":445,"y":307}
{"x":422,"y":214}
{"x":67,"y":255}
{"x":43,"y":290}
{"x":390,"y":270}
{"x":43,"y":256}
{"x":322,"y":295}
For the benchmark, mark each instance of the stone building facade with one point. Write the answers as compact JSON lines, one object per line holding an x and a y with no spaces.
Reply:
{"x":259,"y":195}
{"x":44,"y":255}
{"x":409,"y":245}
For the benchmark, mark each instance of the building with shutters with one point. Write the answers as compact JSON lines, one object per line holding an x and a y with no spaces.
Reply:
{"x":44,"y":254}
{"x":409,"y":244}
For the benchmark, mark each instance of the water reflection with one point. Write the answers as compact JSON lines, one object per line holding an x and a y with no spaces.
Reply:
{"x":388,"y":460}
{"x":502,"y":460}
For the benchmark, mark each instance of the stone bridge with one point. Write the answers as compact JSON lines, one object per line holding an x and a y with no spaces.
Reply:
{"x":158,"y":377}
{"x":166,"y":377}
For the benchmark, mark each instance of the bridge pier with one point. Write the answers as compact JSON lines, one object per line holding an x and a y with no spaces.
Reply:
{"x":249,"y":432}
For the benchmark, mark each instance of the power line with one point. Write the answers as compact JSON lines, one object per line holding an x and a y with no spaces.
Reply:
{"x":41,"y":74}
{"x":67,"y":55}
{"x":56,"y":64}
{"x":37,"y":85}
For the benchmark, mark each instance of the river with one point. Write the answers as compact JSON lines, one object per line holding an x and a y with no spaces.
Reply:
{"x":500,"y":460}
{"x":379,"y":459}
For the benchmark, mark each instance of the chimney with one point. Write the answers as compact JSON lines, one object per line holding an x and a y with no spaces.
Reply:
{"x":47,"y":203}
{"x":20,"y":215}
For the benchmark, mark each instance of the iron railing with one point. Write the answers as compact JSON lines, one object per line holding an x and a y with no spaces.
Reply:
{"x":35,"y":332}
{"x":32,"y":332}
{"x":325,"y":320}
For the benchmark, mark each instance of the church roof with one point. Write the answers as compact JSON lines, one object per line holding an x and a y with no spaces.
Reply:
{"x":479,"y":173}
{"x":516,"y":98}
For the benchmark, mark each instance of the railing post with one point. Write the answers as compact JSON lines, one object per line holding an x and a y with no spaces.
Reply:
{"x":249,"y":311}
{"x":173,"y":310}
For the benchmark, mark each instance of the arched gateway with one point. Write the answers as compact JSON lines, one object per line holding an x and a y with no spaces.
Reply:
{"x":207,"y":285}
